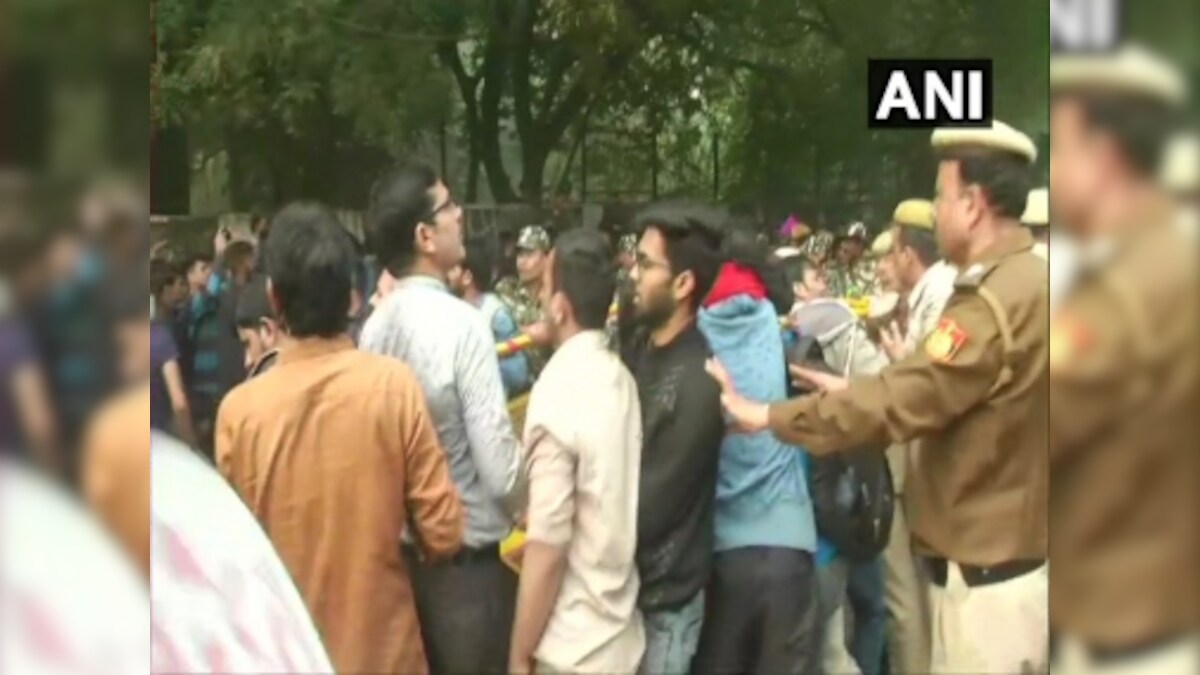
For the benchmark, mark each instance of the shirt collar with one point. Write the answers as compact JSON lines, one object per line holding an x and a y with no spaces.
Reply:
{"x":424,"y":281}
{"x":588,"y":340}
{"x":1008,"y":243}
{"x":311,"y":348}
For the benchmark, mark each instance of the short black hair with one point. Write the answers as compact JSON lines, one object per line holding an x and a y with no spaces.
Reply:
{"x":163,"y":274}
{"x":922,"y":241}
{"x":237,"y":254}
{"x":1141,"y":126}
{"x":1005,"y":177}
{"x":311,"y":262}
{"x":190,"y":261}
{"x":481,"y":263}
{"x":692,"y":232}
{"x":583,"y":272}
{"x":398,"y":203}
{"x":252,"y":303}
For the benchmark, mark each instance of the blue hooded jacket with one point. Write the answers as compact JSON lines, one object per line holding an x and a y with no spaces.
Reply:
{"x":762,"y":484}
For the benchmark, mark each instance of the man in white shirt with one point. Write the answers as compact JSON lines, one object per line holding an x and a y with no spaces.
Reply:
{"x":926,"y":282}
{"x":577,"y":603}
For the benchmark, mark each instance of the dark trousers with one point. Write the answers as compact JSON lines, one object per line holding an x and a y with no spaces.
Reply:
{"x":864,"y":589}
{"x":466,"y":613}
{"x":761,"y":614}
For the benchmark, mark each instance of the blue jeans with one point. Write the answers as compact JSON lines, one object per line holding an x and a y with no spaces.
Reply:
{"x":864,"y":589}
{"x":672,"y":637}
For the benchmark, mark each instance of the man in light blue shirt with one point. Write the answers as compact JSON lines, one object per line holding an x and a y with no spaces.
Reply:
{"x":466,"y":605}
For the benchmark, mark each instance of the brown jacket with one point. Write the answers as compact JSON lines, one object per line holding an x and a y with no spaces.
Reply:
{"x":1125,"y":359}
{"x":334,"y":452}
{"x":978,"y":493}
{"x":116,"y":472}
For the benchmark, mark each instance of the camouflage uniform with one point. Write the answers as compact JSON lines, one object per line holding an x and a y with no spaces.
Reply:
{"x":854,"y":282}
{"x":524,"y":304}
{"x":817,"y":247}
{"x":857,"y":280}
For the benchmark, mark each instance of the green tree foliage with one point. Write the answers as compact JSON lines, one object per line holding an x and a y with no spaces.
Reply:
{"x":312,"y":97}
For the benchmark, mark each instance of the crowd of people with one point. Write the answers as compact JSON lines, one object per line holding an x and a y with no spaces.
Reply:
{"x":826,"y":456}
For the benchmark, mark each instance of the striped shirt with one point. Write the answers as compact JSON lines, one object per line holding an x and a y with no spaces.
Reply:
{"x":449,"y":346}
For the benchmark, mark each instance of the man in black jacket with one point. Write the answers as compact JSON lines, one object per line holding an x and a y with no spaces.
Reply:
{"x":677,"y":262}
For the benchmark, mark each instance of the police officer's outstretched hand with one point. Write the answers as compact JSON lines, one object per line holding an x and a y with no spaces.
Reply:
{"x":745,"y":415}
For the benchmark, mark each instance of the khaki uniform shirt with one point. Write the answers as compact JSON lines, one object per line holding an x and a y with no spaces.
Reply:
{"x":1124,"y":370}
{"x":978,"y":495}
{"x":334,"y":453}
{"x":116,"y":472}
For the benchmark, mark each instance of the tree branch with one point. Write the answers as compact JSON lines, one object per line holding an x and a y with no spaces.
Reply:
{"x":559,"y":61}
{"x":493,"y":72}
{"x":447,"y":52}
{"x":520,"y":32}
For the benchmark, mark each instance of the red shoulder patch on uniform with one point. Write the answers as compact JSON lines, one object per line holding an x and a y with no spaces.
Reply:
{"x":945,"y":341}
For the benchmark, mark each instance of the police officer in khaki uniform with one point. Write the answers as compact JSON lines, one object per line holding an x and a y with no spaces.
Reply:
{"x":975,"y":393}
{"x":1124,"y":359}
{"x":522,"y":292}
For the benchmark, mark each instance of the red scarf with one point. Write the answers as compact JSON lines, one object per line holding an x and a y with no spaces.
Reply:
{"x":734,"y":280}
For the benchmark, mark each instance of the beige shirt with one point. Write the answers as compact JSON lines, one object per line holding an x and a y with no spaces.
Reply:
{"x":926,"y":302}
{"x":583,"y":436}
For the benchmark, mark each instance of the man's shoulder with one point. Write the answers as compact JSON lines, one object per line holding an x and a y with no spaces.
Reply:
{"x":125,"y":409}
{"x":508,"y":288}
{"x":1015,"y":280}
{"x":119,"y":427}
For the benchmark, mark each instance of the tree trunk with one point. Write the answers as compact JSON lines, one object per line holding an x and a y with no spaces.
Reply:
{"x":533,"y":173}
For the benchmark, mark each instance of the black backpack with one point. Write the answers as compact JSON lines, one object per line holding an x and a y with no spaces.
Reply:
{"x":852,"y":493}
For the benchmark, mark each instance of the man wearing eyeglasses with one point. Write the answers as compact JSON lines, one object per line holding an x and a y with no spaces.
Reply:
{"x":465,"y":605}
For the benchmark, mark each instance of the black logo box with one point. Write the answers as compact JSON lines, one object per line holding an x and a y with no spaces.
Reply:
{"x":879,"y":71}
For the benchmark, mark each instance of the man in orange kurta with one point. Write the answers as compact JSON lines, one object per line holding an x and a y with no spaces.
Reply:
{"x":334,"y":452}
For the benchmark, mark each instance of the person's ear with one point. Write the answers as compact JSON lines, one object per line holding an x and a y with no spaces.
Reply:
{"x":559,"y":308}
{"x":273,"y":298}
{"x":975,"y":203}
{"x":683,"y":285}
{"x":423,"y":238}
{"x":467,"y":280}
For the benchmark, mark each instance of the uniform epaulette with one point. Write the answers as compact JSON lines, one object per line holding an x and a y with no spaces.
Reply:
{"x":973,"y":276}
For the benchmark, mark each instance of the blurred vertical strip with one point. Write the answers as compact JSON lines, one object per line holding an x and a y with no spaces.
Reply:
{"x":155,"y":101}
